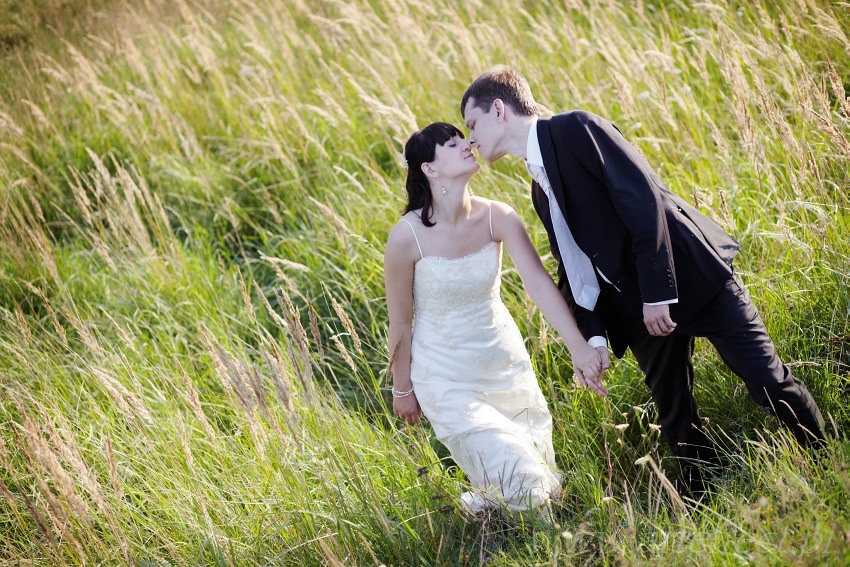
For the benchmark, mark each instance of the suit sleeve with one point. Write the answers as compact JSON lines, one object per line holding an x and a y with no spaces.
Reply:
{"x":636,"y":194}
{"x":589,"y":323}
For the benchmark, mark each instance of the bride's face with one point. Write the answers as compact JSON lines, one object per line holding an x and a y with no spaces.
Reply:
{"x":455,"y":159}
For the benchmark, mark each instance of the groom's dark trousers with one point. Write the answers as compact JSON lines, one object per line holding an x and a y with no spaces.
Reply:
{"x":732,"y":324}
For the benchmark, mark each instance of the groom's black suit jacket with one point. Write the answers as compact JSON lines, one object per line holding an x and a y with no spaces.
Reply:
{"x":648,"y":242}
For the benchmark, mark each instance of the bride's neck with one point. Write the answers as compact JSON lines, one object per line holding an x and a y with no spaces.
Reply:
{"x":453,"y":206}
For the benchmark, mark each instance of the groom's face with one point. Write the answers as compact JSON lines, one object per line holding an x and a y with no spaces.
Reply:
{"x":485,"y":130}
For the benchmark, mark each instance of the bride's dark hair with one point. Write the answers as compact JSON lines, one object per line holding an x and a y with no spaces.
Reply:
{"x":422,"y":148}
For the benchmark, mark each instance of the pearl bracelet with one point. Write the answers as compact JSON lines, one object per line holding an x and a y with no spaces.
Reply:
{"x":397,"y":394}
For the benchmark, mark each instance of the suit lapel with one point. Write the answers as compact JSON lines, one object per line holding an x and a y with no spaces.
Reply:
{"x":550,"y":162}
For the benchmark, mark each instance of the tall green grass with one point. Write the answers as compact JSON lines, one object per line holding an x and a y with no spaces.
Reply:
{"x":194,"y":198}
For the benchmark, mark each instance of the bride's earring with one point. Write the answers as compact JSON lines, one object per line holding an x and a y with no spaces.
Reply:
{"x":443,"y":189}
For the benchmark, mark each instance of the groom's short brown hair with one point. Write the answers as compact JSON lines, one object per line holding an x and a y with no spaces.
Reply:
{"x":503,"y":83}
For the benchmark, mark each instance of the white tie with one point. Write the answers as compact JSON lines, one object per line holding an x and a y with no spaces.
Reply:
{"x":580,"y":274}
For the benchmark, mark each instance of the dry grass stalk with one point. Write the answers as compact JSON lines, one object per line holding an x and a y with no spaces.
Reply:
{"x":258,"y":434}
{"x":125,"y":338}
{"x":293,"y":318}
{"x":129,"y":403}
{"x":78,"y":191}
{"x":150,"y":214}
{"x":184,"y":442}
{"x":834,"y":133}
{"x":732,"y":71}
{"x":277,"y":318}
{"x":8,"y":497}
{"x":4,"y":462}
{"x":329,"y":554}
{"x":674,"y":495}
{"x":120,"y":212}
{"x":24,"y":330}
{"x":57,"y":514}
{"x":39,"y":240}
{"x":544,"y":333}
{"x":393,"y":356}
{"x":281,"y":387}
{"x":42,"y":454}
{"x":84,"y":333}
{"x":234,"y":381}
{"x":8,"y":125}
{"x":627,"y":507}
{"x":289,"y":417}
{"x":294,"y":358}
{"x":304,"y":370}
{"x":725,"y":207}
{"x":252,"y":378}
{"x":314,"y":328}
{"x":37,"y":114}
{"x":279,"y":372}
{"x":193,"y":399}
{"x":368,"y":546}
{"x":39,"y":173}
{"x":40,"y":522}
{"x":330,"y":214}
{"x":344,"y":352}
{"x":60,"y":330}
{"x":276,"y":264}
{"x":837,"y":86}
{"x":112,"y":466}
{"x":249,"y":305}
{"x":349,"y":326}
{"x":121,"y":208}
{"x":69,"y":451}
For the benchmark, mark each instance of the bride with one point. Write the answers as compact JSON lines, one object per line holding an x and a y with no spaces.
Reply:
{"x":457,"y":355}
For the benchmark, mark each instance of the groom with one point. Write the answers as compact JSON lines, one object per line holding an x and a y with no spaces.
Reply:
{"x":637,"y":264}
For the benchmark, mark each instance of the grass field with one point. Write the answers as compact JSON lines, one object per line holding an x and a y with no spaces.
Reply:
{"x":194,"y":200}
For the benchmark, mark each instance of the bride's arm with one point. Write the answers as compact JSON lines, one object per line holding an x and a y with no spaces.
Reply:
{"x":398,"y":278}
{"x":588,"y":363}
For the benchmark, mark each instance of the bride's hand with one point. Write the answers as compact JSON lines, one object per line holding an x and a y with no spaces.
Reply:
{"x":407,"y":408}
{"x":589,"y":365}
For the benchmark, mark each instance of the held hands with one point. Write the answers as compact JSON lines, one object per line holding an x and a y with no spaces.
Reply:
{"x":657,"y":320}
{"x":407,"y":408}
{"x":590,"y":365}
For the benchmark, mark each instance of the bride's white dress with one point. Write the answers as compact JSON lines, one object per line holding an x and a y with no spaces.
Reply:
{"x":475,"y":384}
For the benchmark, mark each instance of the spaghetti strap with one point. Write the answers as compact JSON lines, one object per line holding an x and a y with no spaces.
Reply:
{"x":490,"y":213}
{"x":416,"y":238}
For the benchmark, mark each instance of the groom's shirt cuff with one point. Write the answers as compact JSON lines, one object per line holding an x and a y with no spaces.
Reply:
{"x":598,"y":341}
{"x":668,"y":302}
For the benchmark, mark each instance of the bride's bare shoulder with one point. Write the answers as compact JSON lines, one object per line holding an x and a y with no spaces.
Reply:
{"x":497,"y":207}
{"x":401,"y":240}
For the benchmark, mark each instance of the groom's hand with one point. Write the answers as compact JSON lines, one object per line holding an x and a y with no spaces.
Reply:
{"x":657,"y":320}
